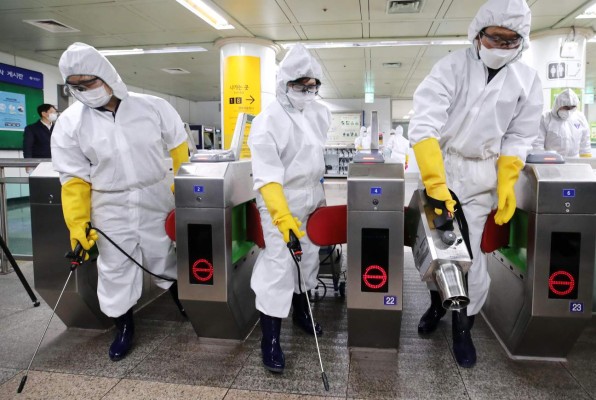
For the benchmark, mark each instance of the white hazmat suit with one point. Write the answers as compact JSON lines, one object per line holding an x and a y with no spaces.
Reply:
{"x":287,"y":146}
{"x":121,"y":155}
{"x":475,"y":122}
{"x":397,"y":146}
{"x":363,"y":141}
{"x":566,"y":132}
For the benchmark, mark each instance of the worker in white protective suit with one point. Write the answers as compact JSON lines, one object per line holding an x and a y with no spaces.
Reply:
{"x":362,"y":142}
{"x":476,"y":116}
{"x":396,"y":149}
{"x":564,"y":129}
{"x":287,"y":141}
{"x":109,"y":150}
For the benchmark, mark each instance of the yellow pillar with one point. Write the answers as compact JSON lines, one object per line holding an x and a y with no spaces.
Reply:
{"x":247,"y":71}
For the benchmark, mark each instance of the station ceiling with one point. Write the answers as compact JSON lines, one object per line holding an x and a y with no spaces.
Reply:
{"x":112,"y":24}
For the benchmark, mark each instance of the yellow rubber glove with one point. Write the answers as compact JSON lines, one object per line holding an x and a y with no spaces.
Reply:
{"x":587,"y":155}
{"x":179,"y":155}
{"x":275,"y":200}
{"x":76,"y":207}
{"x":432,"y":171}
{"x":508,"y":168}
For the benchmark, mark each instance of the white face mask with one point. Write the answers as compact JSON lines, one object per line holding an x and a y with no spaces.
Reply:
{"x":563,"y":114}
{"x":496,"y":58}
{"x":93,"y":97}
{"x":300,"y":100}
{"x":52,"y":117}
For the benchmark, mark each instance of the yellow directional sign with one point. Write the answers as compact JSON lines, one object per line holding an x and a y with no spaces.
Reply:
{"x":241,"y":92}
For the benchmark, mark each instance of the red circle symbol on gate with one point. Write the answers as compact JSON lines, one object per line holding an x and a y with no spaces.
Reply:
{"x":561,"y":283}
{"x":374,"y":277}
{"x":202,"y":270}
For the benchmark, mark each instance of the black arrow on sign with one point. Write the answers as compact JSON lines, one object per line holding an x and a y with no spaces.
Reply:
{"x":252,"y":99}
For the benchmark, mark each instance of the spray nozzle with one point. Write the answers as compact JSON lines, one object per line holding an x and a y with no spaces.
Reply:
{"x":294,"y":246}
{"x":77,"y":256}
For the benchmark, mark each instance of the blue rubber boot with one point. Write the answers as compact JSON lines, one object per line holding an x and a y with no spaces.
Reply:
{"x":301,"y":316}
{"x":273,"y":356}
{"x":463,"y":347}
{"x":430,"y":319}
{"x":122,"y":343}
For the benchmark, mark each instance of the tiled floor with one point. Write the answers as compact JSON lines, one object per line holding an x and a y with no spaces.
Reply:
{"x":169,"y":361}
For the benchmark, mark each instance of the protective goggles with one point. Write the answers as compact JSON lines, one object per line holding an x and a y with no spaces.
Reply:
{"x":298,"y":87}
{"x":501,"y":43}
{"x":83,"y":86}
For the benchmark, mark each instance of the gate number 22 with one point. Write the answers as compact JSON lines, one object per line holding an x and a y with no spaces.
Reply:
{"x":390,"y":300}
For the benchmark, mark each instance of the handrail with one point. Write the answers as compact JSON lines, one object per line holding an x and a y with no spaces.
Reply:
{"x":21,"y":162}
{"x":12,"y":163}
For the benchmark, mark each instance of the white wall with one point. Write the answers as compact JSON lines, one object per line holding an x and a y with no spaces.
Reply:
{"x":206,"y":113}
{"x":381,"y":105}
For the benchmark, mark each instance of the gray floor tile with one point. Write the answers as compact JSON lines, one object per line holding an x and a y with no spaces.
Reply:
{"x":86,"y":351}
{"x":55,"y":386}
{"x":14,"y":294}
{"x":391,"y":375}
{"x":302,"y":375}
{"x":21,"y":332}
{"x":187,"y":359}
{"x":495,"y":373}
{"x":143,"y":390}
{"x":234,"y":394}
{"x":581,"y":363}
{"x":7,"y":373}
{"x":589,"y":333}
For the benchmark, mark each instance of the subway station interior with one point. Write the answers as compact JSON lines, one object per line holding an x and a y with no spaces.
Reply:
{"x":385,"y":236}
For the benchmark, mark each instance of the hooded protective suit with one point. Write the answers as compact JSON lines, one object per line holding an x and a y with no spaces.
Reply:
{"x":287,"y":148}
{"x":475,"y":122}
{"x":566,"y":132}
{"x":362,"y":142}
{"x":122,"y":156}
{"x":397,"y":146}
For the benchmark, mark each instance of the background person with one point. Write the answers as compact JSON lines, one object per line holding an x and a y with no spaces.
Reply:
{"x":287,"y":141}
{"x":36,"y":138}
{"x":397,"y":147}
{"x":476,"y":116}
{"x":108,"y":149}
{"x":362,"y":142}
{"x":564,"y":129}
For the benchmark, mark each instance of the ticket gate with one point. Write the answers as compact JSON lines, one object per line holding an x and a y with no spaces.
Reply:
{"x":541,"y":283}
{"x":591,"y":161}
{"x":376,"y":254}
{"x":215,"y":256}
{"x":79,"y":306}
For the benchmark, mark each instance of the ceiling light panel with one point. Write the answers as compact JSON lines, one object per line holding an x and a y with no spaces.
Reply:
{"x":163,"y":50}
{"x":404,"y":6}
{"x":206,"y":13}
